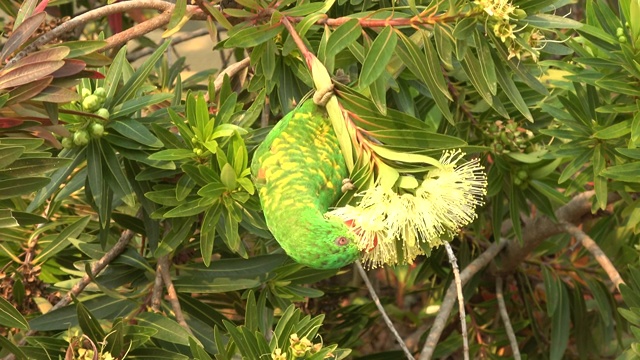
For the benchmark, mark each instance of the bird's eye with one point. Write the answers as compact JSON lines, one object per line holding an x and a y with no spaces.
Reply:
{"x":341,"y":241}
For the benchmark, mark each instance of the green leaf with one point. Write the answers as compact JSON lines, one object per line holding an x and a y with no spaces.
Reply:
{"x":252,"y":36}
{"x":228,"y":177}
{"x":101,"y":307}
{"x":172,"y":155}
{"x":179,"y":232}
{"x":33,"y":166}
{"x":625,"y":172}
{"x":10,"y":154}
{"x":189,"y":208}
{"x":208,"y":231}
{"x":89,"y":324}
{"x":16,"y":187}
{"x":10,"y":317}
{"x":575,"y":165}
{"x":509,"y":88}
{"x":138,"y":78}
{"x":560,"y":325}
{"x":83,"y":47}
{"x":5,"y":344}
{"x":378,"y":56}
{"x":548,"y":21}
{"x":62,"y":240}
{"x":343,"y":36}
{"x":131,"y":106}
{"x":135,"y":131}
{"x":167,"y":329}
{"x":117,"y":179}
{"x":614,"y":131}
{"x":427,"y":71}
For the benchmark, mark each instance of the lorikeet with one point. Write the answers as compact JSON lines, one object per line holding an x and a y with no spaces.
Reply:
{"x":299,"y":170}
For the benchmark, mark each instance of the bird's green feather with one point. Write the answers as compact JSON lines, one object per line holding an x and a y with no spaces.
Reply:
{"x":298,"y":170}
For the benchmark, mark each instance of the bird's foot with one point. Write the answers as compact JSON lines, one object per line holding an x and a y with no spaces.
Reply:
{"x":347,"y":185}
{"x":321,"y":96}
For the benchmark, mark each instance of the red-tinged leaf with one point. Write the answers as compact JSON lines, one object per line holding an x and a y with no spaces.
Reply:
{"x":27,"y":91}
{"x":95,"y":59}
{"x":22,"y":34}
{"x":56,"y":53}
{"x":28,"y":73}
{"x":58,"y":95}
{"x":40,"y":8}
{"x":115,"y":22}
{"x":84,"y":74}
{"x":8,"y":123}
{"x":70,"y":67}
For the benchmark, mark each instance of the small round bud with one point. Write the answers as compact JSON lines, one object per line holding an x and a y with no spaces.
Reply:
{"x":619,"y":31}
{"x":67,"y":143}
{"x":91,"y":103}
{"x":522,"y":174}
{"x":85,"y":92}
{"x":81,"y":137}
{"x":96,"y":129}
{"x":104,"y":113}
{"x":194,"y":139}
{"x":517,"y":181}
{"x":100,"y":92}
{"x":622,"y":39}
{"x":519,"y":14}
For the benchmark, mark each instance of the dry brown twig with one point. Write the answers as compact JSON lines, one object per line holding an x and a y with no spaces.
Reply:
{"x":597,"y":253}
{"x":172,"y":295}
{"x":385,"y":317}
{"x":463,"y":318}
{"x":450,"y":297}
{"x":505,"y":318}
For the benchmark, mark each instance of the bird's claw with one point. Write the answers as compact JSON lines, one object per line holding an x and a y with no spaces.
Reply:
{"x":321,"y":96}
{"x":347,"y":185}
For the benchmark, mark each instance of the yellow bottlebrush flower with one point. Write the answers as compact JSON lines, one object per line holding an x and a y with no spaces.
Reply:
{"x":500,"y":9}
{"x":277,"y":354}
{"x":386,"y":222}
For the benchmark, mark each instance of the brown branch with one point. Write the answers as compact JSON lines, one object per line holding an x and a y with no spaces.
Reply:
{"x":306,"y":54}
{"x":172,"y":295}
{"x":421,"y":20}
{"x":450,"y":297}
{"x":156,"y":293}
{"x":463,"y":318}
{"x":597,"y":253}
{"x":505,"y":318}
{"x":230,"y":71}
{"x":385,"y":317}
{"x":535,"y":231}
{"x":98,"y":13}
{"x":175,"y":40}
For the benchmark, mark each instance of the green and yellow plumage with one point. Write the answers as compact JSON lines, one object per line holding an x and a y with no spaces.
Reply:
{"x":298,"y":170}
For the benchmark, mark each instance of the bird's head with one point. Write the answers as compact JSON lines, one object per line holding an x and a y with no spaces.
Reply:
{"x":331,"y":245}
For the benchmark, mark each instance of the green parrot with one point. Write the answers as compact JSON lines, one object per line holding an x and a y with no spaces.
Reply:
{"x":299,"y":172}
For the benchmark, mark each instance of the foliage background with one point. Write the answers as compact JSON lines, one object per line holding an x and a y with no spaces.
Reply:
{"x":142,"y":236}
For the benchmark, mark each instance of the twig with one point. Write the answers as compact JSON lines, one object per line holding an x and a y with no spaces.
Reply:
{"x":96,"y":268}
{"x":172,"y":295}
{"x":463,"y":317}
{"x":156,"y":293}
{"x":597,"y":253}
{"x":450,"y":297}
{"x":98,"y":13}
{"x":505,"y":319}
{"x":537,"y":230}
{"x":230,"y":71}
{"x":386,"y":318}
{"x":175,"y":40}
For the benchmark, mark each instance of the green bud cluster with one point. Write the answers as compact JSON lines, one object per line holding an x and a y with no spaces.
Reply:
{"x":92,"y":128}
{"x":509,"y":137}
